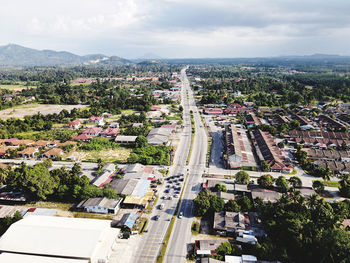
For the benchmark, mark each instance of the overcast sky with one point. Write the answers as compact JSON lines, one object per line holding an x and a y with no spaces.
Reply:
{"x":179,"y":28}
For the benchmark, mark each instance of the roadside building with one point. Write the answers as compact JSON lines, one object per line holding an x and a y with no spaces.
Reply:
{"x":53,"y":153}
{"x":28,"y":152}
{"x":268,"y":151}
{"x":101,"y":205}
{"x":238,"y":150}
{"x":59,"y":239}
{"x":159,"y":136}
{"x":207,"y":247}
{"x":228,"y":223}
{"x":213,"y":111}
{"x":265,"y":195}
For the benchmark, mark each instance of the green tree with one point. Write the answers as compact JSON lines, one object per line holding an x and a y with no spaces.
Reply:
{"x":282,"y":184}
{"x":245,"y":203}
{"x":202,"y":203}
{"x":242,"y":177}
{"x":265,"y":181}
{"x":318,"y":186}
{"x":232,"y":206}
{"x":216,"y":203}
{"x":344,"y":187}
{"x":220,"y":188}
{"x":141,"y":141}
{"x":265,"y":167}
{"x":295,"y":182}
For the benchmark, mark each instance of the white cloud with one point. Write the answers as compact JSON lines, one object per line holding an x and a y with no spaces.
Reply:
{"x":177,"y":27}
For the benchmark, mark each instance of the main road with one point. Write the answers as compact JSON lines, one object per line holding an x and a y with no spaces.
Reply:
{"x":152,"y":240}
{"x":181,"y":234}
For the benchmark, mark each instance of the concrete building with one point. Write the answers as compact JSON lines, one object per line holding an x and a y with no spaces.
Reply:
{"x":126,"y":139}
{"x":73,"y":240}
{"x":101,"y":205}
{"x":238,"y":150}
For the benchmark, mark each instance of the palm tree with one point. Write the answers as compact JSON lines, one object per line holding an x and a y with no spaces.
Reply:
{"x":326,"y":175}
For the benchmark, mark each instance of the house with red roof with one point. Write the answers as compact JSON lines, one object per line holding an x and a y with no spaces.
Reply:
{"x":93,"y":131}
{"x":110,"y":132}
{"x":74,"y":124}
{"x":82,"y":137}
{"x":98,"y":120}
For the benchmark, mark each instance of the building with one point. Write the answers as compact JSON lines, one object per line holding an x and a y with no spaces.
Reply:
{"x":265,"y":195}
{"x":159,"y":136}
{"x":230,"y":223}
{"x":53,"y":153}
{"x":101,"y":205}
{"x":238,"y":150}
{"x":268,"y":151}
{"x":213,"y":111}
{"x":110,"y":132}
{"x":106,"y":176}
{"x":28,"y":152}
{"x":252,"y":120}
{"x":93,"y":131}
{"x":74,"y":124}
{"x":207,"y":247}
{"x":82,"y":137}
{"x":124,"y":186}
{"x":126,"y":139}
{"x":97,"y":120}
{"x":61,"y":239}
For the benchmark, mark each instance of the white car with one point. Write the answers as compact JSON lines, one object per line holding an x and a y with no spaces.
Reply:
{"x":180,"y":215}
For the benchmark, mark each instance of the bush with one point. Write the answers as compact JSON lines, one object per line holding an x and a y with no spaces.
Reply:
{"x":195,"y":227}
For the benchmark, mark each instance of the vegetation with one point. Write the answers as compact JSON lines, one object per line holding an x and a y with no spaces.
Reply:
{"x":242,"y":177}
{"x":7,"y":221}
{"x":40,"y":183}
{"x":304,"y":230}
{"x":265,"y":181}
{"x":149,"y":154}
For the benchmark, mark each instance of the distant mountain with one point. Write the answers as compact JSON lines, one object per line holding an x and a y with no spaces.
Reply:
{"x":149,"y":56}
{"x":15,"y":55}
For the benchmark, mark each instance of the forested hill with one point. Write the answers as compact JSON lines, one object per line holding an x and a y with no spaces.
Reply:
{"x":15,"y":55}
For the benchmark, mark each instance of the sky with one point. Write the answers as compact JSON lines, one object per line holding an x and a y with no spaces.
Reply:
{"x":179,"y":28}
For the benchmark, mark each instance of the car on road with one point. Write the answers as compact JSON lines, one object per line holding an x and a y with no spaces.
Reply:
{"x":161,"y":206}
{"x":181,"y":215}
{"x":166,"y":190}
{"x":176,"y":196}
{"x":170,"y":198}
{"x":156,"y":217}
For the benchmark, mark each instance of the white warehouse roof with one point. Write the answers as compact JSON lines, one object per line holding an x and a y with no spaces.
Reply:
{"x":76,"y":238}
{"x":19,"y":258}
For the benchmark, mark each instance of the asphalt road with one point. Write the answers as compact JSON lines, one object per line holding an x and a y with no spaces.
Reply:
{"x":181,"y":234}
{"x":152,"y":240}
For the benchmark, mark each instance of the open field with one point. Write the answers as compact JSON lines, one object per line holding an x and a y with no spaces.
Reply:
{"x":32,"y":109}
{"x":120,"y":154}
{"x":15,"y":87}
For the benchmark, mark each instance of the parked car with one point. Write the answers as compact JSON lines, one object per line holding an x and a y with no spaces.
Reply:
{"x":156,"y":217}
{"x":180,"y":215}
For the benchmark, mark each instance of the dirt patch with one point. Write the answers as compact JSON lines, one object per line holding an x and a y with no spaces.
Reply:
{"x":31,"y":109}
{"x":119,"y":154}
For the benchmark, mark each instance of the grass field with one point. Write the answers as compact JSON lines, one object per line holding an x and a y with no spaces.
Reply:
{"x":15,"y":87}
{"x":117,"y":155}
{"x":23,"y":110}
